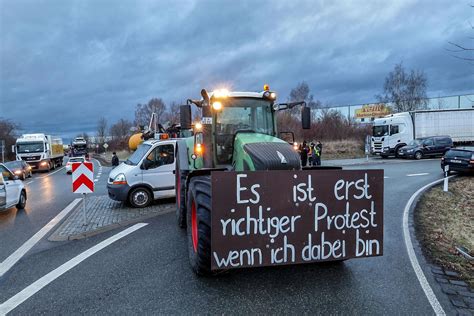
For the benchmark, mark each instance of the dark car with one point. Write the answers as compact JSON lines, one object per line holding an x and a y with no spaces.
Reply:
{"x":426,"y":147}
{"x":20,"y":168}
{"x":459,"y":159}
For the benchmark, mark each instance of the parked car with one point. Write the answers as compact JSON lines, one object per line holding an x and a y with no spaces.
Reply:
{"x":19,"y":168}
{"x":147,"y":175}
{"x":12,"y":190}
{"x":71,"y":161}
{"x":459,"y":159}
{"x":426,"y":147}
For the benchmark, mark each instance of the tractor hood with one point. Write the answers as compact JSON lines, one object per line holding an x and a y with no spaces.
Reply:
{"x":265,"y":152}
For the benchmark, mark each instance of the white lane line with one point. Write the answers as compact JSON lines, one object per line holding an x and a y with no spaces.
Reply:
{"x":417,"y":174}
{"x":96,"y":180}
{"x":29,"y":182}
{"x":438,"y":309}
{"x":50,"y":174}
{"x":385,"y":177}
{"x":20,"y":252}
{"x":35,"y":287}
{"x":98,"y":162}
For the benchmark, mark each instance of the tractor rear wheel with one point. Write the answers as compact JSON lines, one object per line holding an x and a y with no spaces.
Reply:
{"x":199,"y":224}
{"x":180,"y":185}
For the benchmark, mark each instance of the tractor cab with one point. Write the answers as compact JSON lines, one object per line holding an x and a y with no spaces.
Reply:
{"x":238,"y":132}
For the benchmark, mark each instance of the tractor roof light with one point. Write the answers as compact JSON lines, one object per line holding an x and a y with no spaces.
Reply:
{"x":217,"y":105}
{"x":266,"y":87}
{"x":269,"y":95}
{"x":221,"y":93}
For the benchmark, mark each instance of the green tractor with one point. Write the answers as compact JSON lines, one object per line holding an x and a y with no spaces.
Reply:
{"x":237,"y":132}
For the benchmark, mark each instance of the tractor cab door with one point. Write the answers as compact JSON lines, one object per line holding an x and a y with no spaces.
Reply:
{"x":159,"y":170}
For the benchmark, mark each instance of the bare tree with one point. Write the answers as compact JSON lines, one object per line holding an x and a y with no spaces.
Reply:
{"x":172,"y":114}
{"x":8,"y":134}
{"x":461,"y":51}
{"x":302,"y":93}
{"x":120,"y":132}
{"x":405,"y":91}
{"x":101,"y":130}
{"x":143,"y":112}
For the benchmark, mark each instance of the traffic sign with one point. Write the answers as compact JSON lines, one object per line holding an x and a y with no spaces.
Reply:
{"x":105,"y":145}
{"x":83,"y":177}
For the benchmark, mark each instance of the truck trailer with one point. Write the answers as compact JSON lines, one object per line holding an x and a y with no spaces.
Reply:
{"x":394,"y":131}
{"x":42,"y":152}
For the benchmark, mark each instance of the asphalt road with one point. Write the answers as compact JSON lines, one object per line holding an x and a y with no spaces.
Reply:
{"x":148,"y":270}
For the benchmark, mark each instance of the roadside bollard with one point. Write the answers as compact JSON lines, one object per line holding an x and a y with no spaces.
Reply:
{"x":446,"y":170}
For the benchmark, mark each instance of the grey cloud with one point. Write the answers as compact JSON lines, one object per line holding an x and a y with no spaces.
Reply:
{"x":63,"y":64}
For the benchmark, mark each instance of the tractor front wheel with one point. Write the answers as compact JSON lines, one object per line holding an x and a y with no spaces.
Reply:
{"x":198,"y":218}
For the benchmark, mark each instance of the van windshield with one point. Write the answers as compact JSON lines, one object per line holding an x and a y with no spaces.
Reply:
{"x":137,"y":156}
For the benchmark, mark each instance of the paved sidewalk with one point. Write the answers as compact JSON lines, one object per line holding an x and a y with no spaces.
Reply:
{"x":104,"y":214}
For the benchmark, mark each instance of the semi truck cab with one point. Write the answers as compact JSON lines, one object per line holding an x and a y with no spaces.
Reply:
{"x":391,"y":133}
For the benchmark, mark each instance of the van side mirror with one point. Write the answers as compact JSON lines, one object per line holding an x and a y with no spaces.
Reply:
{"x":146,"y":164}
{"x":185,"y":116}
{"x":306,"y":117}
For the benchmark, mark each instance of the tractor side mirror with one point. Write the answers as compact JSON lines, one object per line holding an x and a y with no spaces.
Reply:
{"x":306,"y":117}
{"x":185,"y":116}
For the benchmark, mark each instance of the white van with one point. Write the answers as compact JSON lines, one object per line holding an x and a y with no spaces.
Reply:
{"x":147,"y":175}
{"x":12,"y":190}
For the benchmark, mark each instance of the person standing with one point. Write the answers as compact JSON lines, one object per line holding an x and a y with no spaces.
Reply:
{"x":304,"y":154}
{"x":115,"y":160}
{"x":319,"y":148}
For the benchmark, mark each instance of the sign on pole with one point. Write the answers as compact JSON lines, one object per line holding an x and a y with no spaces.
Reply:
{"x":83,"y":182}
{"x":83,"y":177}
{"x":105,"y":145}
{"x":319,"y":215}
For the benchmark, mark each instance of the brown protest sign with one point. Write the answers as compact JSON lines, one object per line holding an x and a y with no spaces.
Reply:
{"x":264,"y":218}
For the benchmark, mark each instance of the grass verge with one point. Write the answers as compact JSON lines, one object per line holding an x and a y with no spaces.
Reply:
{"x":343,"y":149}
{"x":444,"y":221}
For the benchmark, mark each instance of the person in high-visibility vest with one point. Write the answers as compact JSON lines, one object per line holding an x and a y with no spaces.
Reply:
{"x":317,"y":156}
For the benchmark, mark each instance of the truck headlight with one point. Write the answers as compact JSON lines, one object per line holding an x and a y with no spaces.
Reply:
{"x":386,"y":149}
{"x":43,"y":163}
{"x":120,"y":179}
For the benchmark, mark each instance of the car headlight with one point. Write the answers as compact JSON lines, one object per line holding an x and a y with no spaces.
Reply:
{"x":17,"y":171}
{"x":386,"y":148}
{"x":409,"y":150}
{"x":120,"y":179}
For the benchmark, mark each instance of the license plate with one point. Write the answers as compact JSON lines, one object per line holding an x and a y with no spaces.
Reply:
{"x":456,"y":161}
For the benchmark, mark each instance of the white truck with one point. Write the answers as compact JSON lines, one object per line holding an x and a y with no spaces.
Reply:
{"x":394,"y":131}
{"x":40,"y":151}
{"x":78,"y":147}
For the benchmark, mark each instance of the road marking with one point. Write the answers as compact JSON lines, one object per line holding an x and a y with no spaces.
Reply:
{"x":35,"y":287}
{"x":50,"y":174}
{"x":438,"y":309}
{"x":417,"y":174}
{"x":98,"y":162}
{"x":96,"y":180}
{"x":29,"y":182}
{"x":385,"y":177}
{"x":20,"y":252}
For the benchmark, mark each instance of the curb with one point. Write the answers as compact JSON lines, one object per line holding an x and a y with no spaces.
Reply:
{"x":56,"y":237}
{"x":436,"y":275}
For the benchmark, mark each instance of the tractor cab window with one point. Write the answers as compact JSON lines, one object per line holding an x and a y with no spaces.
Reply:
{"x":240,"y":115}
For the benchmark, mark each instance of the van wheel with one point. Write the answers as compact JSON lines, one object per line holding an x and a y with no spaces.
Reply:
{"x":22,"y":201}
{"x":140,"y":197}
{"x":199,"y":224}
{"x":418,"y":155}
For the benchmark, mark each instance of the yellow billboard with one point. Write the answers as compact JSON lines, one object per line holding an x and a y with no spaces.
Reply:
{"x":372,"y":110}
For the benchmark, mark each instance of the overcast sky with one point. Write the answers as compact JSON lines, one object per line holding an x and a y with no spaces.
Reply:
{"x":63,"y":64}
